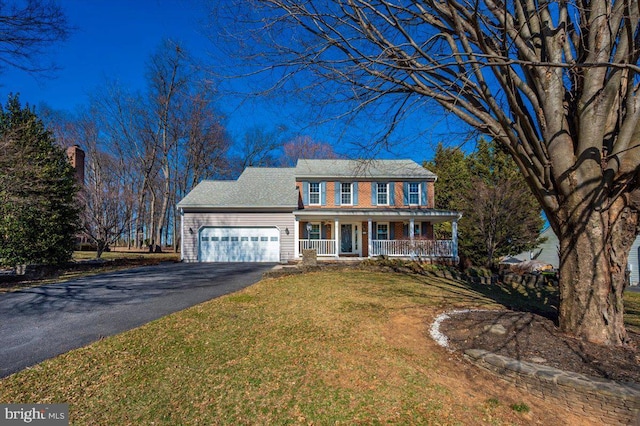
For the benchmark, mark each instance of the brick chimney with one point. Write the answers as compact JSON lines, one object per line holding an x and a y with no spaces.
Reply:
{"x":76,"y":158}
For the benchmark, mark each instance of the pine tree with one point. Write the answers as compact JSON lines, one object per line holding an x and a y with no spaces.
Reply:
{"x":38,"y":209}
{"x":500,"y":215}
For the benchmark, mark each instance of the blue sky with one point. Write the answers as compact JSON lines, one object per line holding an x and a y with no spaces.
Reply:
{"x":113,"y":40}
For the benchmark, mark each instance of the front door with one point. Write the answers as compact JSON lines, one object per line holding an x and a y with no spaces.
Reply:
{"x":349,"y":238}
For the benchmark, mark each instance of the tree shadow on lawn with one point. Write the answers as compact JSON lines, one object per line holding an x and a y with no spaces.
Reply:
{"x":460,"y":293}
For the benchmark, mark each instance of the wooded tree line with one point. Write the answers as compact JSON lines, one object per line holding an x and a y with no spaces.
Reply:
{"x":145,"y":151}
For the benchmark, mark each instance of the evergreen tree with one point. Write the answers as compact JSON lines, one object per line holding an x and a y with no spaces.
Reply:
{"x":38,"y":209}
{"x":500,"y":215}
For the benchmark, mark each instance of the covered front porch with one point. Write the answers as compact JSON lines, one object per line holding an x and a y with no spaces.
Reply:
{"x":403,"y":233}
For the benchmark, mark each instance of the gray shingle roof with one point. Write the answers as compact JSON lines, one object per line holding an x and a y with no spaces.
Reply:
{"x":363,"y":169}
{"x":262,"y":187}
{"x":255,"y":188}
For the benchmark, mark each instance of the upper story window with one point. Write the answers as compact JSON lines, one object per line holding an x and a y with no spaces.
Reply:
{"x":314,"y":193}
{"x":346,"y":193}
{"x":382,"y":194}
{"x":414,"y":193}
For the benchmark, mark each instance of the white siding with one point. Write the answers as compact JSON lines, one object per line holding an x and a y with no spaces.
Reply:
{"x":634,"y":262}
{"x":193,"y":222}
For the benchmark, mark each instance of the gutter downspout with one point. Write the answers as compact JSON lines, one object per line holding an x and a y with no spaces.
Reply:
{"x":181,"y":235}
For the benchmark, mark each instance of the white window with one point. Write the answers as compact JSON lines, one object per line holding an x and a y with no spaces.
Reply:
{"x":406,"y":230}
{"x":383,"y":194}
{"x":382,"y":231}
{"x":414,"y":193}
{"x":314,"y":231}
{"x":314,"y":193}
{"x":346,"y":194}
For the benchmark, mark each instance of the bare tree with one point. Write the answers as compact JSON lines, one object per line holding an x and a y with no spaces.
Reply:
{"x":124,"y":126}
{"x":305,"y":147}
{"x":555,"y":83}
{"x":104,"y":197}
{"x":168,"y":138}
{"x":259,"y":148}
{"x":168,"y":82}
{"x":201,"y":152}
{"x":27,"y":28}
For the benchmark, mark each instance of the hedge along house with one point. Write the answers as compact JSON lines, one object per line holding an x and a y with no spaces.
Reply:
{"x":339,"y":208}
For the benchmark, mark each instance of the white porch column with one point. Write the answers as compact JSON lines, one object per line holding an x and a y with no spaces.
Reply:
{"x":412,"y":249}
{"x":454,"y":238}
{"x":336,"y":234}
{"x":296,"y":238}
{"x":370,"y":235}
{"x":412,"y":223}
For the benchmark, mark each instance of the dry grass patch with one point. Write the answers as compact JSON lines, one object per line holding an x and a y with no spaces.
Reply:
{"x":344,"y":347}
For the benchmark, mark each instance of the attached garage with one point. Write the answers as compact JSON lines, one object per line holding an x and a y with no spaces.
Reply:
{"x":247,"y":220}
{"x":239,"y":244}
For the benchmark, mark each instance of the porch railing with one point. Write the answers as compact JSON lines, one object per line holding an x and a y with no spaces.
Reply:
{"x":322,"y":247}
{"x":391,"y":248}
{"x":415,"y":248}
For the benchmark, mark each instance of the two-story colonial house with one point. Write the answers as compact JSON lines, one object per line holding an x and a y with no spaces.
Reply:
{"x":340,"y":208}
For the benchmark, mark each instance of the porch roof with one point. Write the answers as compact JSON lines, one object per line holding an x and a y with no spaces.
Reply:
{"x":431,"y":215}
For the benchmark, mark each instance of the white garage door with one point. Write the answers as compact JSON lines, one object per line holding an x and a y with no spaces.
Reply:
{"x":229,"y":244}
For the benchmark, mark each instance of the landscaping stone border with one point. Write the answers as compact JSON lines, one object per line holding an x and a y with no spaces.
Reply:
{"x":610,"y":402}
{"x":607,"y":401}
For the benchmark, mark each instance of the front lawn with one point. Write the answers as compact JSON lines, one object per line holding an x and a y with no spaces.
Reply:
{"x":345,"y":347}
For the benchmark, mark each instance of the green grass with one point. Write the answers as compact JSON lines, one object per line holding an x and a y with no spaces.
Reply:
{"x":520,"y":407}
{"x":632,"y":311}
{"x":347,"y":347}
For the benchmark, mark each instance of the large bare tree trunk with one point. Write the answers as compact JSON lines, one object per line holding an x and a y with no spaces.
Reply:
{"x":556,"y":83}
{"x":593,"y":261}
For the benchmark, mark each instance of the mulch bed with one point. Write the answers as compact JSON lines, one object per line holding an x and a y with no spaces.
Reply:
{"x":533,"y":338}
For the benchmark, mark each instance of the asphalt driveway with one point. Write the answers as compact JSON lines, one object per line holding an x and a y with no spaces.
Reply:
{"x":41,"y":322}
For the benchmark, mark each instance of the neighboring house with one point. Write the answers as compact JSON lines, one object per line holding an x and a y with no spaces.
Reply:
{"x":547,"y":252}
{"x":340,"y":208}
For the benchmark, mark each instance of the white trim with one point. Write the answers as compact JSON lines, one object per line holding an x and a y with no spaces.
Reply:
{"x":418,"y":194}
{"x":319,"y":203}
{"x":356,"y":238}
{"x":350,"y":203}
{"x":388,"y":231}
{"x":296,"y":238}
{"x":392,"y":215}
{"x":336,"y":243}
{"x":319,"y":225}
{"x":412,"y":223}
{"x":378,"y":203}
{"x":369,"y":237}
{"x":181,"y":235}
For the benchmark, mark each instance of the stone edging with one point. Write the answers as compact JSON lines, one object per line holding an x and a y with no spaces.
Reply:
{"x":605,"y":400}
{"x":608,"y":401}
